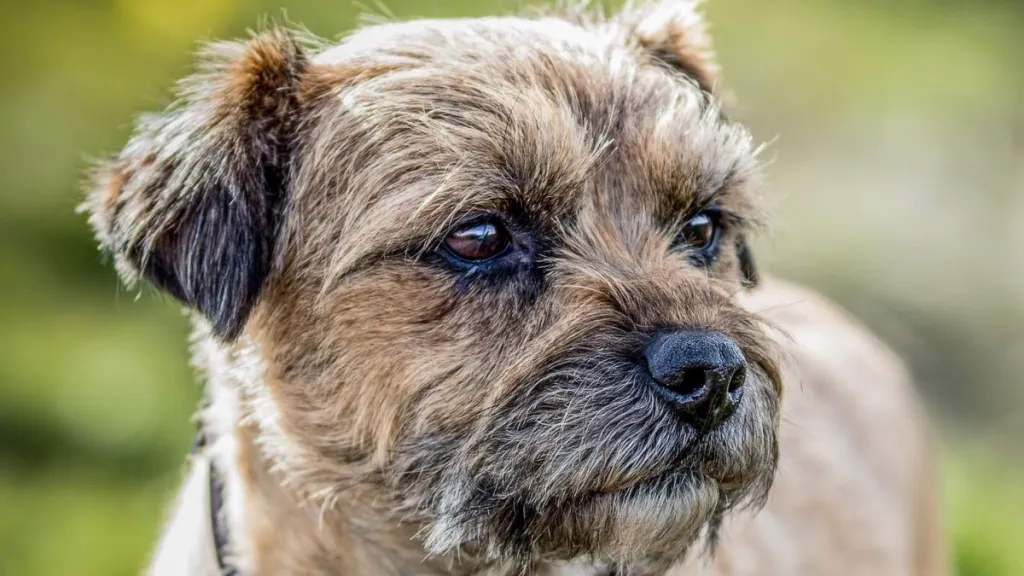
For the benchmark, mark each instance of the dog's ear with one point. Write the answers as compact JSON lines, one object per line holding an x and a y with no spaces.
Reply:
{"x":748,"y":269}
{"x":673,"y":33}
{"x":194,"y":201}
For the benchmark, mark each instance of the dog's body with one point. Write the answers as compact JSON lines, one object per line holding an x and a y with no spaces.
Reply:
{"x":476,"y":297}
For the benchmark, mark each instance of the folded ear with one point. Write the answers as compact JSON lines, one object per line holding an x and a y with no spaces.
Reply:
{"x":194,"y":201}
{"x":673,"y":33}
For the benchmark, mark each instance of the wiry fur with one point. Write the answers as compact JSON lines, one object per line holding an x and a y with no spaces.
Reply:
{"x":374,"y":406}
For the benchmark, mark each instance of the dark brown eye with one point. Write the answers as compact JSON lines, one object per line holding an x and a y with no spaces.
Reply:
{"x":699,"y":232}
{"x":478,"y":241}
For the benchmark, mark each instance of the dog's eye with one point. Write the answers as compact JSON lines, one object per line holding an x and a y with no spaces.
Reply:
{"x":700,"y":232}
{"x":478,"y":241}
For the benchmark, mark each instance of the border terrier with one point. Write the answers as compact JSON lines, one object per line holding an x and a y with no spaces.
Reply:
{"x":476,"y":297}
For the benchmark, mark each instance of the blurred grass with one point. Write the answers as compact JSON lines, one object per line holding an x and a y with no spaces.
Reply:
{"x":60,"y":525}
{"x":985,"y":500}
{"x":897,"y":183}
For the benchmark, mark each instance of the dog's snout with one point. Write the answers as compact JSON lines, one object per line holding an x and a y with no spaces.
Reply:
{"x":701,"y":373}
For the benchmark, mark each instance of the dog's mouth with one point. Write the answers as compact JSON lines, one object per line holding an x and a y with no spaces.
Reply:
{"x":674,"y":478}
{"x":700,"y":460}
{"x":649,"y":481}
{"x":666,"y":482}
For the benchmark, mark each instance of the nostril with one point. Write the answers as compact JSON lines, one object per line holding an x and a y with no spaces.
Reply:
{"x":693,"y":380}
{"x":739,"y":377}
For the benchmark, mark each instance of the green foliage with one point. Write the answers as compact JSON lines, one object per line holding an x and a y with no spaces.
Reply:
{"x":985,"y":500}
{"x":902,"y":105}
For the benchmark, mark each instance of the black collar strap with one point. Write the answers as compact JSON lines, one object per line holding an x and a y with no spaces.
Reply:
{"x":216,"y":497}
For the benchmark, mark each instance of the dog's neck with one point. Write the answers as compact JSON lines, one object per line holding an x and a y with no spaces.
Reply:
{"x":268,"y":528}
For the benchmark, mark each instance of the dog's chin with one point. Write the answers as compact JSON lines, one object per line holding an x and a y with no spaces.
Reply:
{"x":656,"y":521}
{"x":658,"y":518}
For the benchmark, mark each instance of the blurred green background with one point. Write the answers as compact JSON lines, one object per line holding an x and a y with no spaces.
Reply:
{"x":896,"y":180}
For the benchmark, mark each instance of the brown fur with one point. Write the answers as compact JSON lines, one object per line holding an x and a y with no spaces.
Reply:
{"x":376,"y":410}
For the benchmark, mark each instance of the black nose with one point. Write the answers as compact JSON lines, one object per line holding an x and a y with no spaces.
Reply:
{"x":701,"y":373}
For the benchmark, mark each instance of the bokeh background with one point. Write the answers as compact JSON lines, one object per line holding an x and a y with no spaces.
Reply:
{"x":896,"y":179}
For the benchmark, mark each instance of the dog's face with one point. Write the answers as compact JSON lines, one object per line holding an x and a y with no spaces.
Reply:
{"x":489,"y":267}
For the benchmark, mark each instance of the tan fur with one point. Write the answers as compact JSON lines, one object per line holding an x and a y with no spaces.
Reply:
{"x":375,"y":408}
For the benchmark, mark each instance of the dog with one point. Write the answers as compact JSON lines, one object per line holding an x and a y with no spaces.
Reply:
{"x":477,"y":297}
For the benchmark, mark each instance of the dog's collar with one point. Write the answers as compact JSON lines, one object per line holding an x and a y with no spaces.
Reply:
{"x":218,"y":528}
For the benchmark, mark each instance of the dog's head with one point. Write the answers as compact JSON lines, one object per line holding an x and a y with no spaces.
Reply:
{"x":488,"y":266}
